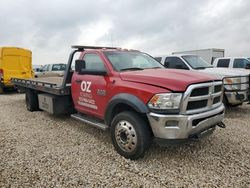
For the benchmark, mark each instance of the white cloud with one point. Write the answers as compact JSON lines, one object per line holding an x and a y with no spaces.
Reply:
{"x":91,"y":33}
{"x":49,"y":28}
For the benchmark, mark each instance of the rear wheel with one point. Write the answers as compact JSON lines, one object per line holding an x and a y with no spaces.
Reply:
{"x":31,"y":100}
{"x":1,"y":90}
{"x":130,"y":134}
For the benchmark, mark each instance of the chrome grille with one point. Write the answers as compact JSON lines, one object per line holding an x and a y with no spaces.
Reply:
{"x":202,"y":97}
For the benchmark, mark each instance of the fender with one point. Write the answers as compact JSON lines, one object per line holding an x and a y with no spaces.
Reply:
{"x":124,"y":98}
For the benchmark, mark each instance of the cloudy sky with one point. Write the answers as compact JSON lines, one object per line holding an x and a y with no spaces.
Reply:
{"x":50,"y":27}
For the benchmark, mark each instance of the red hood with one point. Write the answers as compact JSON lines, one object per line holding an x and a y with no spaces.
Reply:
{"x":171,"y":79}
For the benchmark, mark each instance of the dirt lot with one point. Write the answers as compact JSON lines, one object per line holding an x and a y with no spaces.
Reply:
{"x":40,"y":150}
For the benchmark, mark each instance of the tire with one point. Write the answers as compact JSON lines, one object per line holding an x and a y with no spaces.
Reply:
{"x":227,"y":104}
{"x":1,"y":90}
{"x":130,"y":135}
{"x":31,"y":99}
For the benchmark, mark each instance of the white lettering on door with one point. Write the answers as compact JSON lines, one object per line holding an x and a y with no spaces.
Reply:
{"x":85,"y":86}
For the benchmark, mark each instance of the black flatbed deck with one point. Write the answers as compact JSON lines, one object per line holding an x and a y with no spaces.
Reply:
{"x":52,"y":85}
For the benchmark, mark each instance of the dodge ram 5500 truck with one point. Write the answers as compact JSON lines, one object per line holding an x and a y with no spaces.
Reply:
{"x":236,"y":82}
{"x":133,"y":95}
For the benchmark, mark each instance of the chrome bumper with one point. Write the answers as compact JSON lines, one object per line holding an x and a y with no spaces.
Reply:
{"x":238,"y":97}
{"x":183,"y":126}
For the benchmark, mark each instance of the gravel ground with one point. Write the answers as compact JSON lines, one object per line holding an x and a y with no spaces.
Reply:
{"x":40,"y":150}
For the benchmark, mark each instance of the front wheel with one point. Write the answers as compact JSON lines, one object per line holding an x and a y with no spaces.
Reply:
{"x":130,"y":135}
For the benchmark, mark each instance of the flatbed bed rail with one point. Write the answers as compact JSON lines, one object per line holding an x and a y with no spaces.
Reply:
{"x":52,"y":88}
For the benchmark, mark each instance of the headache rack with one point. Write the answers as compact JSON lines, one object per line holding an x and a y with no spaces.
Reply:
{"x":82,"y":48}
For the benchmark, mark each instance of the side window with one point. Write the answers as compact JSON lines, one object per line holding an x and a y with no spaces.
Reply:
{"x":158,"y":59}
{"x":48,"y":68}
{"x":55,"y":67}
{"x":223,"y":63}
{"x":58,"y":67}
{"x":45,"y":68}
{"x":240,"y":63}
{"x":174,"y":63}
{"x":93,"y":62}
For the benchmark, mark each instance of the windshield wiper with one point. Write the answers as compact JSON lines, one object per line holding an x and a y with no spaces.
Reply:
{"x":131,"y":68}
{"x":154,"y":68}
{"x":203,"y":67}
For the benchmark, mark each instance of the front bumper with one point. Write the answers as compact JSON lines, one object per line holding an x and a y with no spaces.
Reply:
{"x":176,"y":127}
{"x":237,"y":97}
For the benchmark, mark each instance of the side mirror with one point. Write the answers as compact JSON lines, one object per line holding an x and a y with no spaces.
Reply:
{"x":79,"y":65}
{"x":247,"y":66}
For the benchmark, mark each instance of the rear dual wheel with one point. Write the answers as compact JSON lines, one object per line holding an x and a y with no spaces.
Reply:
{"x":31,"y":99}
{"x":130,"y":135}
{"x":1,"y":90}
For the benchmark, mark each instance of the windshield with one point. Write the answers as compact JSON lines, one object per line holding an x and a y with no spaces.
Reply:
{"x":122,"y":61}
{"x":248,"y":59}
{"x":196,"y":62}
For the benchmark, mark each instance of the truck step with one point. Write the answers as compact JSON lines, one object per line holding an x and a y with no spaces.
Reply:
{"x":92,"y":121}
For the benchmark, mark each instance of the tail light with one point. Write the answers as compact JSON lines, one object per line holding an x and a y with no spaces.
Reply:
{"x":1,"y":73}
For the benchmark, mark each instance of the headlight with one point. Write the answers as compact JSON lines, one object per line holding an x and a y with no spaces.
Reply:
{"x":165,"y":101}
{"x":232,"y":83}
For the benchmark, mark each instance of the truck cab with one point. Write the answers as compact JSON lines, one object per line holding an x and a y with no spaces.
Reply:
{"x":233,"y":62}
{"x":236,"y":82}
{"x":133,"y":96}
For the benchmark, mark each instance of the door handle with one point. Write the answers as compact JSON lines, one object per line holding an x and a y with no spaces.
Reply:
{"x":78,"y":81}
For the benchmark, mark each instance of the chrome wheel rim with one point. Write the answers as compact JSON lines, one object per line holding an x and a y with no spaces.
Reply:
{"x":125,"y":136}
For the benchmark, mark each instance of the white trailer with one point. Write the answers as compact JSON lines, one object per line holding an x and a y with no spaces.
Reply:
{"x":208,"y":55}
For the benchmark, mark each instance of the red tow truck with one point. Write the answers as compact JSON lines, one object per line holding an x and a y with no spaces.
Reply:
{"x":132,"y":95}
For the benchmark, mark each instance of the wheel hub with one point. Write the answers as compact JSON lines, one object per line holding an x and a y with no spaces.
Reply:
{"x":126,"y":136}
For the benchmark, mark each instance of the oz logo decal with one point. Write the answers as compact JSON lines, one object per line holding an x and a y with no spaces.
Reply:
{"x":85,"y":86}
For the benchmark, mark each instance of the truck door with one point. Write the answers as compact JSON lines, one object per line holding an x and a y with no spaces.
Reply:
{"x":44,"y":71}
{"x":90,"y":92}
{"x":175,"y":63}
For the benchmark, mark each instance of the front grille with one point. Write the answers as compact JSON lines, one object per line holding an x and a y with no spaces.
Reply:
{"x":196,"y":104}
{"x":217,"y":88}
{"x":216,"y":100}
{"x":200,"y":91}
{"x":202,"y":97}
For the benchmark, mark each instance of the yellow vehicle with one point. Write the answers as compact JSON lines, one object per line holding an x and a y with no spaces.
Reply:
{"x":14,"y":63}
